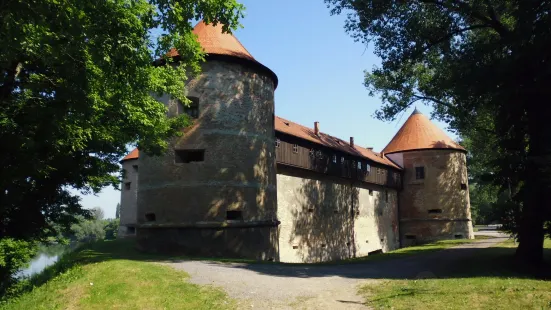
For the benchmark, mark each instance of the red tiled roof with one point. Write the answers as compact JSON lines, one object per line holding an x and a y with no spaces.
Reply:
{"x":299,"y":131}
{"x":215,"y":42}
{"x":418,"y":133}
{"x":132,"y":155}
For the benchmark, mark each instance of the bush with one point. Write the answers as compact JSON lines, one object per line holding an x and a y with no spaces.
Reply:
{"x":111,"y":227}
{"x":88,"y":231}
{"x":14,"y":255}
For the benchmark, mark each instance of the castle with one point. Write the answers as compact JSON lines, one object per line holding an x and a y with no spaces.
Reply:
{"x":242,"y":182}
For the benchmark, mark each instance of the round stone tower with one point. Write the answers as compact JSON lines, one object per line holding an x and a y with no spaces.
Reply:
{"x":129,"y":195}
{"x":214,"y":191}
{"x":434,"y":203}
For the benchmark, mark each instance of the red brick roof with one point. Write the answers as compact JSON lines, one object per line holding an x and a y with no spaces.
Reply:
{"x":215,"y":42}
{"x":419,"y":133}
{"x":132,"y":155}
{"x":287,"y":127}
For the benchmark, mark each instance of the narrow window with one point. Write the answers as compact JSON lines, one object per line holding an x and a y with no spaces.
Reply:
{"x":127,"y":185}
{"x":386,"y":196}
{"x":367,"y":168}
{"x":334,"y":159}
{"x":188,"y":156}
{"x":463,"y":186}
{"x":458,"y":236}
{"x":342,"y":160}
{"x":419,"y":173}
{"x":411,"y":237}
{"x":295,"y":148}
{"x":192,"y":109}
{"x":234,"y":215}
{"x":319,"y":155}
{"x":378,"y":170}
{"x":277,"y":142}
{"x":131,"y":230}
{"x":370,"y":192}
{"x":135,"y":167}
{"x":150,"y":217}
{"x":295,"y":247}
{"x":360,"y":165}
{"x":435,"y":211}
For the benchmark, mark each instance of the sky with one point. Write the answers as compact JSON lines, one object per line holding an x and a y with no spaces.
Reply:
{"x":320,"y":70}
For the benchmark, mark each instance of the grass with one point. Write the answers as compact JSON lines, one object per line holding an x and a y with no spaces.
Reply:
{"x":112,"y":275}
{"x":486,"y":281}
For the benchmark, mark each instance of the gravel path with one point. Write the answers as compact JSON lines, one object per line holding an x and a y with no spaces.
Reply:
{"x":266,"y":286}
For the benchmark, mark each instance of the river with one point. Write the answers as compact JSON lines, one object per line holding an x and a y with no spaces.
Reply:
{"x":47,"y":255}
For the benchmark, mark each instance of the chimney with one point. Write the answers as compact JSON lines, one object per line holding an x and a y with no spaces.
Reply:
{"x":317,"y":128}
{"x":352,"y":141}
{"x":382,"y":154}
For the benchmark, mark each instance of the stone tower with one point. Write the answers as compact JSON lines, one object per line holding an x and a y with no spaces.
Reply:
{"x":434,"y":203}
{"x":129,"y":195}
{"x":214,"y":191}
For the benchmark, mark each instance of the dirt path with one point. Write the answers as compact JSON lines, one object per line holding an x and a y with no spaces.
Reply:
{"x":266,"y":286}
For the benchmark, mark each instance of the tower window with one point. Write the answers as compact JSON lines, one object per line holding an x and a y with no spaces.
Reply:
{"x":463,"y":186}
{"x":150,"y":217}
{"x":334,"y":159}
{"x":127,"y":185}
{"x":419,"y":173}
{"x":188,"y":156}
{"x":295,"y":148}
{"x":277,"y":142}
{"x":386,"y":196}
{"x":135,"y":167}
{"x":435,"y":211}
{"x":192,"y":109}
{"x":234,"y":215}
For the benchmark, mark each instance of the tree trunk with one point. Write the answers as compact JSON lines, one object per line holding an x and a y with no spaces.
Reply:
{"x":537,"y":185}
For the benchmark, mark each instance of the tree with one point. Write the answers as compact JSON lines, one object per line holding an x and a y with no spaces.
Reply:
{"x":97,"y":214}
{"x":88,"y":230}
{"x":471,"y":60}
{"x":76,"y":85}
{"x":118,"y":210}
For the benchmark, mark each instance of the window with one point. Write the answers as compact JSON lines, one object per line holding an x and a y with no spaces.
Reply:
{"x":435,"y":211}
{"x":367,"y":168}
{"x":370,"y":192}
{"x":458,"y":236}
{"x":360,"y":165}
{"x":312,"y":153}
{"x":127,"y":185}
{"x":234,"y":215}
{"x":192,"y":109}
{"x":386,"y":196}
{"x":464,"y":186}
{"x":334,"y":159}
{"x":150,"y":217}
{"x":319,"y":155}
{"x":131,"y":230}
{"x":277,"y":142}
{"x":411,"y":237}
{"x":295,"y":148}
{"x":419,"y":173}
{"x":378,"y":170}
{"x":188,"y":156}
{"x":135,"y":167}
{"x":342,"y":160}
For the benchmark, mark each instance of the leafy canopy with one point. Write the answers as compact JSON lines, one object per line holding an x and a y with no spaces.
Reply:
{"x":76,"y":85}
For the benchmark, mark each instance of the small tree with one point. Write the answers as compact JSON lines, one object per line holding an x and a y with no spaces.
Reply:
{"x":118,"y":211}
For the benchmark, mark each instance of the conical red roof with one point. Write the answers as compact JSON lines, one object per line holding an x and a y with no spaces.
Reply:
{"x":214,"y":42}
{"x":419,"y":133}
{"x":132,"y":155}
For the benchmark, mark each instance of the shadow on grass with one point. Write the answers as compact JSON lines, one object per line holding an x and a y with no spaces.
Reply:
{"x":422,"y":262}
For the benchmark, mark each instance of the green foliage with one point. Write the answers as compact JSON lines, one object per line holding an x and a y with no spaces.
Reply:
{"x":88,"y":231}
{"x":14,"y":255}
{"x":482,"y":66}
{"x":111,"y":227}
{"x":76,"y":85}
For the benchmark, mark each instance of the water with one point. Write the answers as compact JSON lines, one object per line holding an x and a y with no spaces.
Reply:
{"x":46,"y":256}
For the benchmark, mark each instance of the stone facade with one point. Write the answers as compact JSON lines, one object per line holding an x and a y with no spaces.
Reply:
{"x":129,"y":196}
{"x":327,"y":218}
{"x":186,"y":205}
{"x":436,"y":206}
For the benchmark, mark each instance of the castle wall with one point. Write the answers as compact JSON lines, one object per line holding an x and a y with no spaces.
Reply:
{"x":190,"y":201}
{"x":327,"y":218}
{"x":436,"y":207}
{"x":128,"y":198}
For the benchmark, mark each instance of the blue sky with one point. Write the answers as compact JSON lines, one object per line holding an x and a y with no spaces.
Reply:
{"x":320,"y":70}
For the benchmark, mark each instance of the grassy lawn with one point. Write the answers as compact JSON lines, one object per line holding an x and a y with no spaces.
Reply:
{"x":486,"y":281}
{"x":112,"y":275}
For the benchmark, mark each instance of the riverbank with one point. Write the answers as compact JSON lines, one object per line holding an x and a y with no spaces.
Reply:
{"x":110,"y":275}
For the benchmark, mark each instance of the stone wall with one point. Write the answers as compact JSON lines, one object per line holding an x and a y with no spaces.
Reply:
{"x":327,"y":218}
{"x":436,"y":207}
{"x":129,"y":195}
{"x":236,"y":131}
